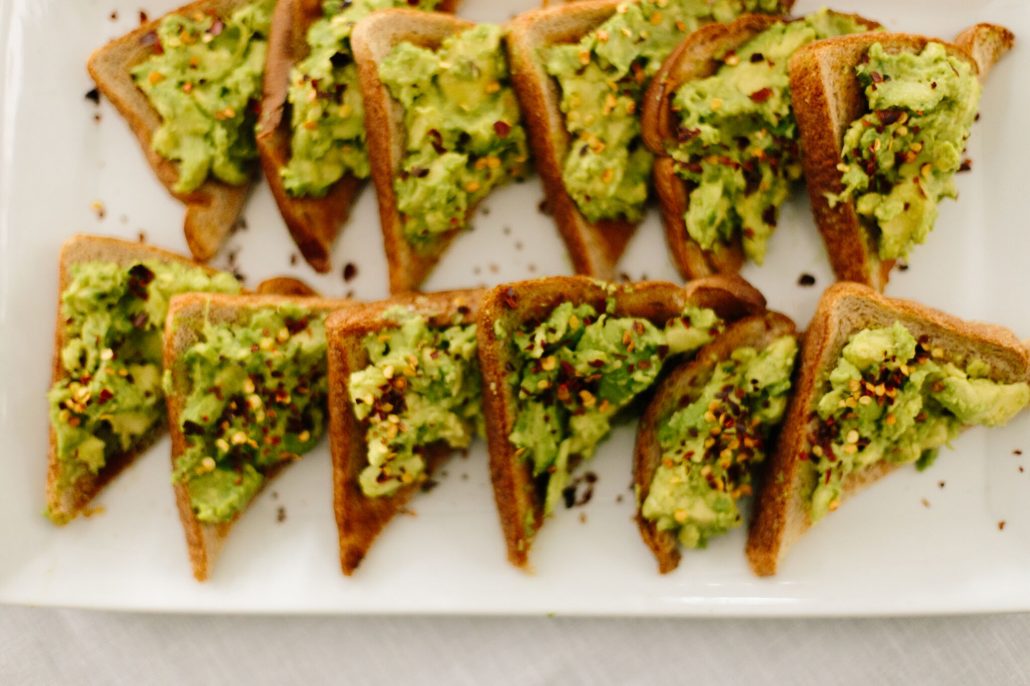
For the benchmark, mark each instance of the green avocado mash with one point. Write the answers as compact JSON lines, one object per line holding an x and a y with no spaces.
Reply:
{"x":203,"y":79}
{"x":900,"y":158}
{"x":603,"y":78}
{"x":463,"y":131}
{"x":737,"y":143}
{"x":327,"y":112}
{"x":892,"y":397}
{"x":577,"y":369}
{"x":255,"y":399}
{"x":422,"y":386}
{"x":709,"y":446}
{"x":110,"y":397}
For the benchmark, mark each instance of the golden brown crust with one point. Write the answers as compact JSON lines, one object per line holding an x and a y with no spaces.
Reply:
{"x":186,"y":316}
{"x":213,"y":208}
{"x":372,"y":40}
{"x":593,"y":247}
{"x":508,"y":307}
{"x":360,"y":519}
{"x":827,"y":99}
{"x":782,"y":513}
{"x":677,"y":390}
{"x":697,"y":57}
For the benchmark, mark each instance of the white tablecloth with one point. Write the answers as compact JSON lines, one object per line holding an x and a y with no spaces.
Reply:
{"x":76,"y":647}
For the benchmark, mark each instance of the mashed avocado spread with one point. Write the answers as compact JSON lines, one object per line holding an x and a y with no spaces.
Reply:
{"x":603,"y":78}
{"x":463,"y":135}
{"x":577,"y":369}
{"x":327,"y":112}
{"x":255,"y":399}
{"x":894,"y":398}
{"x":110,"y":396}
{"x":204,"y":79}
{"x":900,"y":157}
{"x":709,"y":446}
{"x":737,"y":145}
{"x":421,"y":387}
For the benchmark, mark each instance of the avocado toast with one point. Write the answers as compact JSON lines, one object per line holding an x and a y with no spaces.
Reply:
{"x":883,"y":383}
{"x":718,"y":117}
{"x":710,"y":424}
{"x":187,"y":84}
{"x":311,"y":135}
{"x":447,"y":129}
{"x":580,"y":70}
{"x":884,"y":120}
{"x":561,"y":356}
{"x":106,"y":404}
{"x":404,"y":394}
{"x":246,"y":385}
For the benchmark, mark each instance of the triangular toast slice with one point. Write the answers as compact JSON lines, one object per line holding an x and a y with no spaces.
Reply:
{"x":372,"y":41}
{"x":213,"y":208}
{"x":313,"y":222}
{"x":507,"y":308}
{"x":65,"y":503}
{"x":677,"y":390}
{"x":782,"y":514}
{"x":827,"y":99}
{"x":697,"y":57}
{"x":593,"y":247}
{"x":187,"y":317}
{"x":360,"y":518}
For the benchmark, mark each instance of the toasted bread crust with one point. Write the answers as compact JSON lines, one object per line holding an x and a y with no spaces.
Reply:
{"x":594,"y":248}
{"x":360,"y":519}
{"x":677,"y":390}
{"x":827,"y":99}
{"x":213,"y":208}
{"x":782,"y":514}
{"x":508,"y":307}
{"x":372,"y":40}
{"x":186,"y":316}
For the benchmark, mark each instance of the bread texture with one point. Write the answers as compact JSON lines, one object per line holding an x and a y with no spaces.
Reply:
{"x":827,"y":99}
{"x":314,"y":222}
{"x":360,"y":518}
{"x":782,"y":514}
{"x":211,"y":209}
{"x":507,"y":308}
{"x":594,"y":247}
{"x":680,"y":388}
{"x":187,"y":315}
{"x":372,"y":41}
{"x":697,"y":57}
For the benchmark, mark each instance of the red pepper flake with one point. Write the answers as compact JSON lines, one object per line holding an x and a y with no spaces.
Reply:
{"x":114,"y":15}
{"x":761,"y":95}
{"x":502,"y":128}
{"x":888,"y":116}
{"x":350,"y":270}
{"x":940,"y":484}
{"x":143,"y":18}
{"x":509,"y":298}
{"x":1001,"y":525}
{"x":925,"y":502}
{"x":105,"y":395}
{"x":966,"y":165}
{"x":1017,"y":452}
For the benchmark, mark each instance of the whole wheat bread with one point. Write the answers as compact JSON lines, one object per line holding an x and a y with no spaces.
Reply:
{"x":680,"y":388}
{"x":507,"y":308}
{"x":187,"y":315}
{"x":846,"y":308}
{"x":359,"y":518}
{"x":827,"y":99}
{"x":213,"y":208}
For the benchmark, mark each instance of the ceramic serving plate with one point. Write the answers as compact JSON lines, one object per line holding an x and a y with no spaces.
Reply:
{"x":955,"y":538}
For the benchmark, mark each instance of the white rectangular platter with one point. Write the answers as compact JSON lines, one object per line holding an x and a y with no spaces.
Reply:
{"x":928,"y":542}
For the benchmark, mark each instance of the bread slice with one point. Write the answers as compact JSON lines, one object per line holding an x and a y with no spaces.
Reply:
{"x":678,"y":390}
{"x":313,"y":222}
{"x":827,"y":99}
{"x":213,"y":208}
{"x":65,"y":504}
{"x":782,"y":509}
{"x":697,"y":57}
{"x":372,"y":41}
{"x":187,"y":315}
{"x":508,"y":307}
{"x":358,"y":517}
